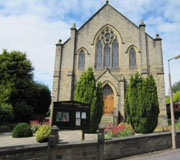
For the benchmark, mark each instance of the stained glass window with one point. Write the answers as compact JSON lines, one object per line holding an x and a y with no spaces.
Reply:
{"x":81,"y":59}
{"x":99,"y":54}
{"x":106,"y":56}
{"x":132,"y":57}
{"x":107,"y":90}
{"x":115,"y":54}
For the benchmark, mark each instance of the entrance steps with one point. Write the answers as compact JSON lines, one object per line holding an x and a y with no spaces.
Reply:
{"x":106,"y":118}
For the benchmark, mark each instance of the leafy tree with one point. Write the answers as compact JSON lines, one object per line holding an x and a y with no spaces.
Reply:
{"x":141,"y":104}
{"x":176,"y":97}
{"x":41,"y":98}
{"x":88,"y":92}
{"x":18,"y":88}
{"x":176,"y":87}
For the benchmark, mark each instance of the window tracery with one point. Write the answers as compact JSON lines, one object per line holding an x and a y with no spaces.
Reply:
{"x":107,"y":49}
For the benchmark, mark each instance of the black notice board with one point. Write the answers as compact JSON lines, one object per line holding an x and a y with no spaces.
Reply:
{"x":71,"y":115}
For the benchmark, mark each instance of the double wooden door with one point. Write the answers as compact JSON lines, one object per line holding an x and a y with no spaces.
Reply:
{"x":108,"y":100}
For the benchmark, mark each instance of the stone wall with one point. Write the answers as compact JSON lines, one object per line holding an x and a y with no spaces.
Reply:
{"x":110,"y":149}
{"x":125,"y":147}
{"x":78,"y":151}
{"x":24,"y":152}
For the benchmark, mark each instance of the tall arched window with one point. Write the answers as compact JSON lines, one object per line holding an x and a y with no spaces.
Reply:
{"x":115,"y":54}
{"x":107,"y":49}
{"x":132,"y":58}
{"x":81,"y":60}
{"x":106,"y":56}
{"x":99,"y":54}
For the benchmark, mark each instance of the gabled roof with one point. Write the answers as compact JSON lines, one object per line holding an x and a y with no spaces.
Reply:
{"x":106,"y":4}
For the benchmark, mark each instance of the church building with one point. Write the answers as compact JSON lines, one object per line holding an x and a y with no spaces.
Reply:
{"x":116,"y":49}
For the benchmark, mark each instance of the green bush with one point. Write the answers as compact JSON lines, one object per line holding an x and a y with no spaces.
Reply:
{"x":90,"y":92}
{"x":22,"y":112}
{"x":43,"y":133}
{"x":6,"y":113}
{"x":8,"y":127}
{"x":22,"y":130}
{"x":141,"y":104}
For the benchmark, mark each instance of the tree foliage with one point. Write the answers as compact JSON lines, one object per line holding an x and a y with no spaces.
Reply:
{"x":176,"y":87}
{"x":141,"y":104}
{"x":18,"y":88}
{"x":88,"y":92}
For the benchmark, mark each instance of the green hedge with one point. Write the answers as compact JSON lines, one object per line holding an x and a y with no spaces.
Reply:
{"x":22,"y":130}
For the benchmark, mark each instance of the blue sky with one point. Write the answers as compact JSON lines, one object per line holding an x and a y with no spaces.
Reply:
{"x":34,"y":27}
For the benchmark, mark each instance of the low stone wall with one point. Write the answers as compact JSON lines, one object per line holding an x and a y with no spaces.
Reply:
{"x":130,"y":146}
{"x":77,"y":151}
{"x":24,"y":152}
{"x":100,"y":150}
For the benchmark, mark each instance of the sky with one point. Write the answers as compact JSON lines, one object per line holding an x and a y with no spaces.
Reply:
{"x":35,"y":26}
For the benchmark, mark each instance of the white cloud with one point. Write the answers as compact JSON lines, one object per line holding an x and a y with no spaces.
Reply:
{"x":35,"y":26}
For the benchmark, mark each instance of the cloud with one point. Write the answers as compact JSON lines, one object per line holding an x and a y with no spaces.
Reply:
{"x":35,"y":26}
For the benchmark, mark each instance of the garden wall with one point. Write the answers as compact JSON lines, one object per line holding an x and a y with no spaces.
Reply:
{"x":25,"y":152}
{"x":110,"y":149}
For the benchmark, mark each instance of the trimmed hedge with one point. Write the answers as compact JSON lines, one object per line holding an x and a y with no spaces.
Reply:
{"x":43,"y":133}
{"x":22,"y":130}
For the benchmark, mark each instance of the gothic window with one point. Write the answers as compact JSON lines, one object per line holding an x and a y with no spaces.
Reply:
{"x":99,"y":54}
{"x":132,"y":58}
{"x":81,"y":60}
{"x":115,"y":54}
{"x":106,"y":56}
{"x":107,"y":49}
{"x":107,"y":90}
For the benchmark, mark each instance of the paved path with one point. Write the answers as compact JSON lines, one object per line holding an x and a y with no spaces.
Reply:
{"x":66,"y":136}
{"x":161,"y":155}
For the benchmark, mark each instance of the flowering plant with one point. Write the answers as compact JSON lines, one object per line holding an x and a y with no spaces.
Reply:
{"x":121,"y":130}
{"x":35,"y":124}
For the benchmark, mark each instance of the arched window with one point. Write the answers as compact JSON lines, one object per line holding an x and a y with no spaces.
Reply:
{"x":107,"y":90}
{"x":106,"y":56}
{"x":99,"y":54}
{"x":115,"y":54}
{"x":132,"y":58}
{"x":107,"y":49}
{"x":81,"y":60}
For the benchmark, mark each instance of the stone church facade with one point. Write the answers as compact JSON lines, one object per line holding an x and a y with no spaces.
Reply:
{"x":116,"y":49}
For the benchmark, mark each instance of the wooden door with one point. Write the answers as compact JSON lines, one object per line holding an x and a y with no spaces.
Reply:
{"x":108,"y":100}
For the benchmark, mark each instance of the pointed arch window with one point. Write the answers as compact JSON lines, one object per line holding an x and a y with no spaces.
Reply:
{"x":115,"y":54}
{"x":99,"y":54}
{"x":81,"y":60}
{"x":107,"y":90}
{"x":132,"y":58}
{"x":106,"y":56}
{"x":107,"y":49}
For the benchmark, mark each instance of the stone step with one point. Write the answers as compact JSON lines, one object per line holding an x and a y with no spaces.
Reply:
{"x":106,"y":118}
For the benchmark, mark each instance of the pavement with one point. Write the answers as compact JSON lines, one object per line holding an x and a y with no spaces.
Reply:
{"x":65,"y":136}
{"x":170,"y":154}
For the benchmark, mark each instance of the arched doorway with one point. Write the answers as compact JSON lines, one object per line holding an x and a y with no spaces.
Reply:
{"x":108,"y":96}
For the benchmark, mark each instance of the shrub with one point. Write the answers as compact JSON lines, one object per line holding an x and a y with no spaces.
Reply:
{"x":43,"y":133}
{"x":88,"y":92}
{"x":22,"y":112}
{"x":22,"y":130}
{"x":6,"y":113}
{"x":141,"y":104}
{"x":8,"y":127}
{"x":122,"y":130}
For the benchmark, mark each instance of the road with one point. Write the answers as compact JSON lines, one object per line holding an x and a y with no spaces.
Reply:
{"x":161,"y":155}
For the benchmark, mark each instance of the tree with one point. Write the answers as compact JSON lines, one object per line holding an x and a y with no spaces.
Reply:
{"x":176,"y":87}
{"x":88,"y":92}
{"x":41,"y":98}
{"x":18,"y":88}
{"x":176,"y":97}
{"x":141,"y":104}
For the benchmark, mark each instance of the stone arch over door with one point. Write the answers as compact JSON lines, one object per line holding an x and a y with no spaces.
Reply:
{"x":108,"y":96}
